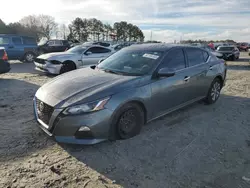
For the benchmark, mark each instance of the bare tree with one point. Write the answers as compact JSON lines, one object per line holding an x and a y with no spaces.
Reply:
{"x":47,"y":25}
{"x":42,"y":25}
{"x":64,"y":31}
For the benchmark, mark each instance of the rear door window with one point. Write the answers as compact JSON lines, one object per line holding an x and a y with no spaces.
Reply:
{"x":17,"y":40}
{"x":58,"y":43}
{"x":195,"y":56}
{"x":4,"y":40}
{"x":97,"y":50}
{"x":29,"y":40}
{"x":175,"y":60}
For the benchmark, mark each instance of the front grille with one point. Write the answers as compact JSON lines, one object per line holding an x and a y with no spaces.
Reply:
{"x":40,"y":61}
{"x":44,"y":111}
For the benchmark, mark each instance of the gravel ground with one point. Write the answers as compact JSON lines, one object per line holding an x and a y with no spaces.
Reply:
{"x":200,"y":146}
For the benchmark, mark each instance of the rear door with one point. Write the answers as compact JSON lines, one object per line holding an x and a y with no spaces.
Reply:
{"x":198,"y":82}
{"x":17,"y":49}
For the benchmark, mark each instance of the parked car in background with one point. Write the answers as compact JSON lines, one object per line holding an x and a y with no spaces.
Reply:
{"x":229,"y":52}
{"x":118,"y":47}
{"x":243,"y":46}
{"x":4,"y":64}
{"x":114,"y":99}
{"x":100,"y":43}
{"x":208,"y":48}
{"x":53,"y":46}
{"x":74,"y":58}
{"x":18,"y":47}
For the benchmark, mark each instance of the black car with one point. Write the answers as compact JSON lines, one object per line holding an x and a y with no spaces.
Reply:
{"x":4,"y":64}
{"x":53,"y":46}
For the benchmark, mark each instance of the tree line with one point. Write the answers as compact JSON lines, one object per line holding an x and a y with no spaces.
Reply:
{"x":207,"y":41}
{"x":81,"y":29}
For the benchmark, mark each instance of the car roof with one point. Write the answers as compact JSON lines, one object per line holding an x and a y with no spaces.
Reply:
{"x":157,"y":46}
{"x":15,"y":35}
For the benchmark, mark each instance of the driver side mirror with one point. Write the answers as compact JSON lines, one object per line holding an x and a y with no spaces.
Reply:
{"x":88,"y":53}
{"x":166,"y":72}
{"x":101,"y":60}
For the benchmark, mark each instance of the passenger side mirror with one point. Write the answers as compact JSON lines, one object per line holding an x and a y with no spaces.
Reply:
{"x":166,"y":72}
{"x":88,"y":53}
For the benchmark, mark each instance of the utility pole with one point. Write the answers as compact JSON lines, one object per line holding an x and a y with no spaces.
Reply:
{"x":151,"y":36}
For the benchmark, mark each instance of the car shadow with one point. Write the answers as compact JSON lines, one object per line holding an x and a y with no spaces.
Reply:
{"x":19,"y":135}
{"x":29,"y":68}
{"x":191,"y":147}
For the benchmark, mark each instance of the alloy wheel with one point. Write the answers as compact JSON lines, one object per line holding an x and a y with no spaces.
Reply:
{"x":215,"y":92}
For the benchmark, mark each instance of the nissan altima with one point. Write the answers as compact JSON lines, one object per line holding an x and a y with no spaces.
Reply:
{"x":114,"y":99}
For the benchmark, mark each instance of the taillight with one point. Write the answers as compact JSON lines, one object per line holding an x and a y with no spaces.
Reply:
{"x":5,"y":56}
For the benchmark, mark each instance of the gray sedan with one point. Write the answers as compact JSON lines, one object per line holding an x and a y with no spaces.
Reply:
{"x":114,"y":99}
{"x":77,"y":57}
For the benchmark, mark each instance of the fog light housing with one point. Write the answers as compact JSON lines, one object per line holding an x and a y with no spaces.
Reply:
{"x":84,"y":128}
{"x":84,"y":133}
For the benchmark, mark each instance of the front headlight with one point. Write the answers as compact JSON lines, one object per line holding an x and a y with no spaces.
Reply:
{"x":85,"y":108}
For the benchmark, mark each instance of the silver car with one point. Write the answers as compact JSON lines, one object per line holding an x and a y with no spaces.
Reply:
{"x":114,"y":99}
{"x":77,"y":57}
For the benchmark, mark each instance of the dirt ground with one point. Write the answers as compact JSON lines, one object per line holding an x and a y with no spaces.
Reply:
{"x":200,"y":146}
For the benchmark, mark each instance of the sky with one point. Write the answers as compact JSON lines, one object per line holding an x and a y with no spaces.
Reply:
{"x":168,"y":20}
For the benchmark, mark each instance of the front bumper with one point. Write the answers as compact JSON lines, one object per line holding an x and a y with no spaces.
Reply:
{"x":48,"y":67}
{"x":65,"y":129}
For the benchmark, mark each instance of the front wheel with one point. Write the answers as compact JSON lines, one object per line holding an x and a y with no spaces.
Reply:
{"x":129,"y":121}
{"x":214,"y":91}
{"x":66,"y":67}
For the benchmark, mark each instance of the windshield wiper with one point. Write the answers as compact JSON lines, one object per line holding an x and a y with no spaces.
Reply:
{"x":111,"y":71}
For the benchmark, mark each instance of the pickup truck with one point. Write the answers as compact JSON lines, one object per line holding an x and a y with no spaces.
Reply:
{"x":18,"y":47}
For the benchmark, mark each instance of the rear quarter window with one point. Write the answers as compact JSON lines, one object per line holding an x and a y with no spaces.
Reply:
{"x":4,"y":40}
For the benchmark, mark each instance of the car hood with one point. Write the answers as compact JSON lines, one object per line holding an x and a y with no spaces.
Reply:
{"x":84,"y":85}
{"x":55,"y":55}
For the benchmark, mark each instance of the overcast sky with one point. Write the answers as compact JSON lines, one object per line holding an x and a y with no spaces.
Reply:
{"x":169,"y":20}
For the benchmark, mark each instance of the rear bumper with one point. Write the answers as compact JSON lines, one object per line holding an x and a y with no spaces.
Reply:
{"x":4,"y":67}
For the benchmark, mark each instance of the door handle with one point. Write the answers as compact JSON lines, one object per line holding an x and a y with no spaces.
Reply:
{"x":186,"y":78}
{"x":211,"y":68}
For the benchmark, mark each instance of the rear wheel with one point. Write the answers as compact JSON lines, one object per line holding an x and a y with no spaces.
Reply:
{"x":128,"y":122}
{"x":29,"y":57}
{"x":67,"y":66}
{"x":214,"y":91}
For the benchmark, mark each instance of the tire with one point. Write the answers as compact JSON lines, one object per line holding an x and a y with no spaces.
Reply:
{"x":29,"y":57}
{"x":128,"y":122}
{"x":233,"y":58}
{"x":67,"y":66}
{"x":214,"y":91}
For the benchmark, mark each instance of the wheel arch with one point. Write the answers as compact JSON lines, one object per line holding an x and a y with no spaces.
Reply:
{"x":69,"y":61}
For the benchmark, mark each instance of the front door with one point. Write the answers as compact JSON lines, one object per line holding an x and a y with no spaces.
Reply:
{"x":170,"y":92}
{"x":96,"y":53}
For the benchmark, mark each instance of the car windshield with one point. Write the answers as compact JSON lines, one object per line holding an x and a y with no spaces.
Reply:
{"x":77,"y":49}
{"x":226,"y":48}
{"x":129,"y":62}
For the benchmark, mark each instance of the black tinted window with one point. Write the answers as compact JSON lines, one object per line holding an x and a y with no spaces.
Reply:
{"x":65,"y":42}
{"x":16,"y":40}
{"x":195,"y":56}
{"x":29,"y":40}
{"x":99,"y":50}
{"x":58,"y":43}
{"x":174,"y":60}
